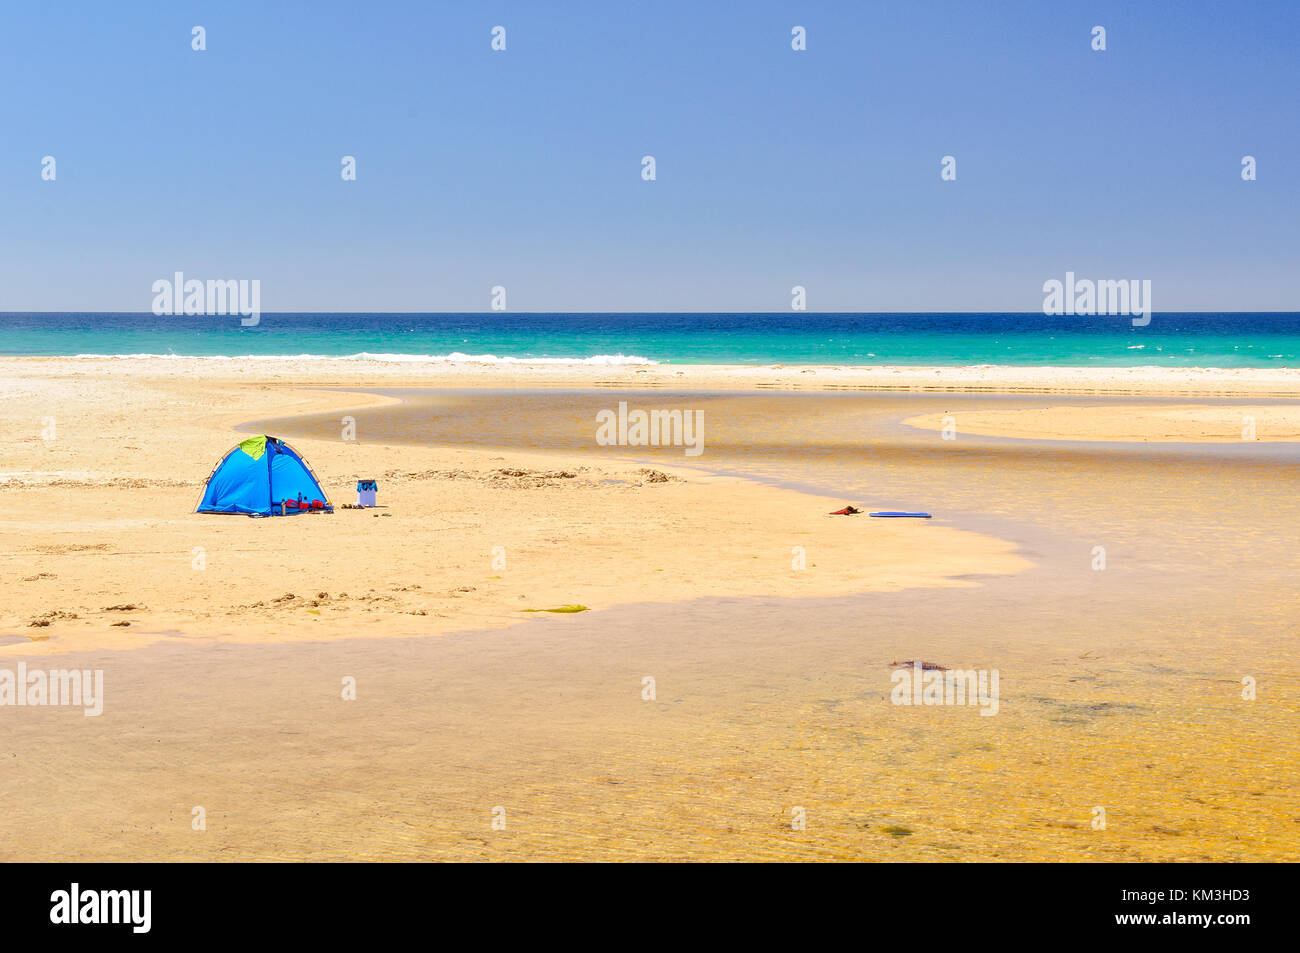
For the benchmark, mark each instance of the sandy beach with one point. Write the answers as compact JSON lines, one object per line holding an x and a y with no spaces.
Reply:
{"x":1201,"y":382}
{"x":728,"y":435}
{"x":769,"y":628}
{"x":595,"y":534}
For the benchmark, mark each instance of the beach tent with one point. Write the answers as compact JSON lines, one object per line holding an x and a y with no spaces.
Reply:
{"x":262,"y":476}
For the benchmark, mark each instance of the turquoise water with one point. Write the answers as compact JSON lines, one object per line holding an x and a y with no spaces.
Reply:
{"x":1171,"y":339}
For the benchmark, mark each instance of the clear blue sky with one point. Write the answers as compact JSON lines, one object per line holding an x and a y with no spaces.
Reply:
{"x":775,"y":167}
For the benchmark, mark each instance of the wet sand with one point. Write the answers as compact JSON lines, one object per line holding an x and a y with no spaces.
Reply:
{"x":1121,"y":688}
{"x":762,"y":706}
{"x":1220,"y":422}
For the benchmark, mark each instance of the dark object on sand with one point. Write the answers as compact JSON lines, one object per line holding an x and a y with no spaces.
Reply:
{"x":847,"y":511}
{"x":925,"y":666}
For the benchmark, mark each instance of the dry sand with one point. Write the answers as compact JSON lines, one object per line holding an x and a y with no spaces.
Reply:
{"x":98,"y":527}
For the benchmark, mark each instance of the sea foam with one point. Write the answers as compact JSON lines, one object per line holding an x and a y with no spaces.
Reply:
{"x":454,"y":358}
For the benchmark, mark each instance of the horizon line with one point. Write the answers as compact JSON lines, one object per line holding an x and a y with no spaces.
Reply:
{"x":354,"y":313}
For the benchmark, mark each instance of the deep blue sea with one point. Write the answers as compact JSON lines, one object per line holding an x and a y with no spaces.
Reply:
{"x":1171,"y":339}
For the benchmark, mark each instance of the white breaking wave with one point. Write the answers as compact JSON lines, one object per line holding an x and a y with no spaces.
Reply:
{"x":454,"y":358}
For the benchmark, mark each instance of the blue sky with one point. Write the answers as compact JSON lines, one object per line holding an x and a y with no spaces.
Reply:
{"x":774,"y":168}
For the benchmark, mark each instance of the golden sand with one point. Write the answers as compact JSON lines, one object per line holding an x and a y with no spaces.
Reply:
{"x":482,"y":732}
{"x":101,"y":517}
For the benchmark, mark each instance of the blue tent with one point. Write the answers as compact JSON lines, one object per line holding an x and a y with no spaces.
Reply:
{"x":262,"y":476}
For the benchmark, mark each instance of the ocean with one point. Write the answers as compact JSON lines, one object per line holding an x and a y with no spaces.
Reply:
{"x":1172,"y":339}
